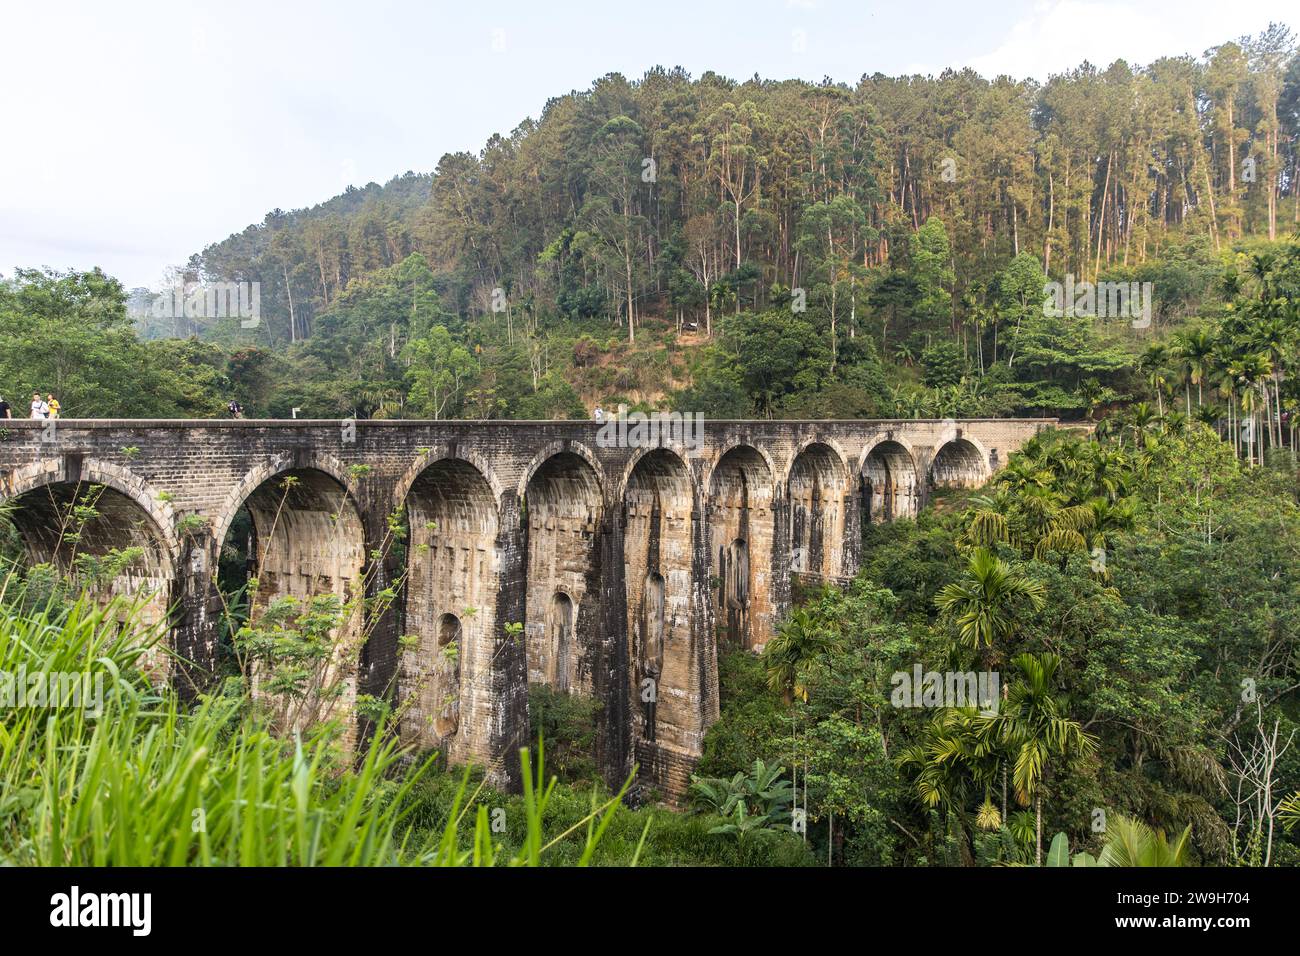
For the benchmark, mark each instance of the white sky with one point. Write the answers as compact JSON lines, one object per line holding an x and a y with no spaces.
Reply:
{"x":134,"y":133}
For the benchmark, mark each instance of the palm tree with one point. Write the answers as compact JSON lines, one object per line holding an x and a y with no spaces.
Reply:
{"x":1184,"y":367}
{"x":1153,"y":363}
{"x":950,"y":756}
{"x":1261,"y":265}
{"x":799,"y":641}
{"x":1252,"y":374}
{"x":1031,"y":724}
{"x":1141,"y":416}
{"x":1129,"y":842}
{"x":982,"y":601}
{"x":990,"y":520}
{"x":1198,"y":352}
{"x":1090,"y":394}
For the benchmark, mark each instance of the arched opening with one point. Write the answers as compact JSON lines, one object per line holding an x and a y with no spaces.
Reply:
{"x":561,"y":511}
{"x":889,"y":485}
{"x":740,"y":534}
{"x":559,"y":639}
{"x":444,"y":678}
{"x":296,"y":538}
{"x":658,"y":505}
{"x":817,"y":487}
{"x":452,"y":575}
{"x":958,"y":464}
{"x":93,"y":538}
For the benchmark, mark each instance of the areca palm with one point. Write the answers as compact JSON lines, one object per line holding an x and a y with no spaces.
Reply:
{"x":1032,"y":724}
{"x":951,"y":756}
{"x":1198,"y":352}
{"x":1153,"y":363}
{"x":983,"y":602}
{"x":799,"y":641}
{"x":1272,"y":335}
{"x":991,"y":519}
{"x":1024,"y":471}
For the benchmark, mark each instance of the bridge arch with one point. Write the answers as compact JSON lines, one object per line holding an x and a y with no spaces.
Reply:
{"x":127,"y":513}
{"x":431,"y":456}
{"x":297,"y":524}
{"x":453,"y":571}
{"x":265,"y":471}
{"x":658,"y":504}
{"x":554,"y":448}
{"x":562,"y":495}
{"x":742,"y":491}
{"x":961,"y":462}
{"x":891,"y":487}
{"x":817,"y":491}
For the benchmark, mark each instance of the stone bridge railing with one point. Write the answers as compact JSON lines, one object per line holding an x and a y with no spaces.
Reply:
{"x":627,"y":565}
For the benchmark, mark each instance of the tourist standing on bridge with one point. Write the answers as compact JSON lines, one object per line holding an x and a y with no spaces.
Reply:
{"x":600,"y":414}
{"x":5,"y":410}
{"x":39,"y":408}
{"x":52,"y":406}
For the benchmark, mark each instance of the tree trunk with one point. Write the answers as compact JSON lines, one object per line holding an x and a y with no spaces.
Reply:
{"x":1038,"y":828}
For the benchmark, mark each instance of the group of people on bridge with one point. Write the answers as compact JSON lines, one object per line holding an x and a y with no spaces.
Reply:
{"x":42,"y":408}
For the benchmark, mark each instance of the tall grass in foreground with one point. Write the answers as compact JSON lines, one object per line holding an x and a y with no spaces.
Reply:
{"x":150,"y":782}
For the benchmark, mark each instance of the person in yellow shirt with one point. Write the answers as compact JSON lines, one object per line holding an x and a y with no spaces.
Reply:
{"x":53,"y":402}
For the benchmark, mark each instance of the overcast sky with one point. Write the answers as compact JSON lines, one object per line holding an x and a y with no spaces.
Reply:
{"x":132,"y":134}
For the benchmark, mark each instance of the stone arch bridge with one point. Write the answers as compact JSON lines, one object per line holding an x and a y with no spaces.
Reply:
{"x":627,"y":567}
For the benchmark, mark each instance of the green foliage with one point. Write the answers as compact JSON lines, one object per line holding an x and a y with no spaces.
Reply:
{"x":752,"y":717}
{"x":567,"y":722}
{"x":1129,"y":842}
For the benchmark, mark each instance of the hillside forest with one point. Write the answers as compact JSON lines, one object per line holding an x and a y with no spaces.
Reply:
{"x":802,"y":250}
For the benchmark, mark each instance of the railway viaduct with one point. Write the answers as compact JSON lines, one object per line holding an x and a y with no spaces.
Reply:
{"x":628,"y":562}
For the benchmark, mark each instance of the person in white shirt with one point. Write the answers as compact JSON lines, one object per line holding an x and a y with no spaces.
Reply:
{"x":600,"y":414}
{"x":39,"y":408}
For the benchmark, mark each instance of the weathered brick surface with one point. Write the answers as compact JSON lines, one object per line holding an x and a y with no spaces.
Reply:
{"x":623,"y":565}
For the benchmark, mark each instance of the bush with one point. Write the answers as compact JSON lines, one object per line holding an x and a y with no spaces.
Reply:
{"x":752,"y":717}
{"x":566,"y":723}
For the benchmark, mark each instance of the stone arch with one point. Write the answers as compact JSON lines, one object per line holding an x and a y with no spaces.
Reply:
{"x":658,"y":552}
{"x":561,"y":508}
{"x":743,"y":443}
{"x":95,"y":471}
{"x":741,"y":531}
{"x":439,"y":453}
{"x":307,"y":541}
{"x":891,"y":488}
{"x":961,"y":462}
{"x":805,"y":443}
{"x":817,"y":490}
{"x":453,"y":568}
{"x":128,"y":514}
{"x":639,"y":456}
{"x":554,"y":448}
{"x":281,"y":464}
